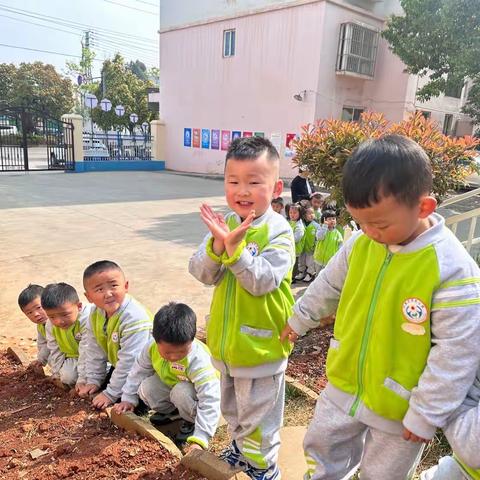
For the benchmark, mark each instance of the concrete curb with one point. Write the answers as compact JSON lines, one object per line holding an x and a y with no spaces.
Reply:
{"x":19,"y":356}
{"x":296,"y":385}
{"x":210,"y":466}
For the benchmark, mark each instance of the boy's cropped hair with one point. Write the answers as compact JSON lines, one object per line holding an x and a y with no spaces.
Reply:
{"x":249,"y":148}
{"x":278,"y":200}
{"x":391,"y":165}
{"x":328,"y":214}
{"x":175,"y":323}
{"x":100,"y":266}
{"x":56,"y":294}
{"x":29,"y":294}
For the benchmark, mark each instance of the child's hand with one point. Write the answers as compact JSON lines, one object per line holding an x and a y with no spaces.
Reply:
{"x":233,"y":238}
{"x":217,"y":226}
{"x":289,"y":333}
{"x":86,"y":389}
{"x":411,"y":437}
{"x":101,"y":401}
{"x":78,"y":387}
{"x":123,"y":407}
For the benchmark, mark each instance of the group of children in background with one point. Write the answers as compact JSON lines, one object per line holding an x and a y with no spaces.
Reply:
{"x":403,"y":361}
{"x":316,"y":233}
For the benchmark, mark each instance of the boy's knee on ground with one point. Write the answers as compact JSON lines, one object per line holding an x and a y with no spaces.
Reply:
{"x":183,"y":396}
{"x":68,"y":374}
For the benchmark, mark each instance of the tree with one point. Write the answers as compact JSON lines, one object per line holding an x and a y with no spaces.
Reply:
{"x":438,"y":38}
{"x":139,"y":69}
{"x":36,"y":86}
{"x":325,"y":147}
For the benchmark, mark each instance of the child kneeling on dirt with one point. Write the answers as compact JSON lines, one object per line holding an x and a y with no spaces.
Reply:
{"x":174,"y":375}
{"x":117,"y":331}
{"x":65,"y":332}
{"x":30,"y":304}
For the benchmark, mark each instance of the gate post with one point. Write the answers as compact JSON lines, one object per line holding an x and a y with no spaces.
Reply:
{"x":157,"y":130}
{"x":23,"y":119}
{"x":77,"y":121}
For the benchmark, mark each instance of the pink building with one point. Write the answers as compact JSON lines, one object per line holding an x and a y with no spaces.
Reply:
{"x":271,"y":66}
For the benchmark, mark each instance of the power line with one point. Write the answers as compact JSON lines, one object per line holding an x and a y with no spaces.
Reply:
{"x":44,"y":51}
{"x":39,"y":25}
{"x":131,"y":8}
{"x":117,"y":44}
{"x":147,"y":3}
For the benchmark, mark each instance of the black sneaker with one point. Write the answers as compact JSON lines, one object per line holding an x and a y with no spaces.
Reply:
{"x":158,"y":419}
{"x":141,"y":409}
{"x":186,"y":430}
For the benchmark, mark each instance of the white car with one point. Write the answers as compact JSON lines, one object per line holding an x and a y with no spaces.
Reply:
{"x":98,"y":149}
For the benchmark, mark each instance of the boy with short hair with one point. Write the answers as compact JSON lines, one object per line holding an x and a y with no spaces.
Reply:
{"x":329,"y":240}
{"x":30,"y":304}
{"x":65,"y":332}
{"x":316,"y":199}
{"x":118,"y":329}
{"x":249,"y":256}
{"x":407,"y":330}
{"x":277,"y":205}
{"x":174,"y":373}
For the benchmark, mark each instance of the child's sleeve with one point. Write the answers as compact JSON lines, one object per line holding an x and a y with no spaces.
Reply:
{"x":133,"y":337}
{"x":43,"y":353}
{"x":299,"y":231}
{"x":207,"y":387}
{"x":95,"y":357}
{"x":142,"y":368}
{"x":204,"y":265}
{"x":453,"y":359}
{"x":264,"y":273}
{"x":82,"y":346}
{"x":323,"y":294}
{"x":321,"y":232}
{"x":56,"y":358}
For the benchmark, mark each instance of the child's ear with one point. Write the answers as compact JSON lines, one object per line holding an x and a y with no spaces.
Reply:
{"x":79,"y":305}
{"x":278,"y":188}
{"x":428,"y":204}
{"x":126,"y":285}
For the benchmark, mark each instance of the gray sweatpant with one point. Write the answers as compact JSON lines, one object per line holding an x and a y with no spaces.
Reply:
{"x":253,"y":409}
{"x":336,"y":445}
{"x":68,"y":372}
{"x":164,"y":399}
{"x":447,"y":469}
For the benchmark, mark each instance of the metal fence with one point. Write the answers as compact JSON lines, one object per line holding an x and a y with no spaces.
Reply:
{"x":115,"y":146}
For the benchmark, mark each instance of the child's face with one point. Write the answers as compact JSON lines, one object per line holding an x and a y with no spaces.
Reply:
{"x":107,"y":290}
{"x":172,"y":352}
{"x":65,"y":315}
{"x":394,"y":223}
{"x":331,"y":222}
{"x":294,"y":214}
{"x":309,"y":215}
{"x":277,"y":207}
{"x":251,"y":185}
{"x":34,"y":311}
{"x":316,"y":202}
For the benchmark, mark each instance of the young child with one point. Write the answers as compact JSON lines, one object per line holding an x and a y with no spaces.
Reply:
{"x":175,"y":371}
{"x":309,"y":240}
{"x":316,"y":199}
{"x":118,"y":329}
{"x":65,"y":332}
{"x":329,"y":240}
{"x":295,"y":221}
{"x":407,"y":297}
{"x":30,"y":304}
{"x":463,"y":434}
{"x":249,"y":256}
{"x":277,"y":205}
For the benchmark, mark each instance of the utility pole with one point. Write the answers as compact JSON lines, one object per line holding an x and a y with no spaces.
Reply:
{"x":86,"y":46}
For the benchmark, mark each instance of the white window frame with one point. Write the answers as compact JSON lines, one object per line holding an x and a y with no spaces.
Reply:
{"x":448,"y":124}
{"x":228,"y":44}
{"x":354,"y":109}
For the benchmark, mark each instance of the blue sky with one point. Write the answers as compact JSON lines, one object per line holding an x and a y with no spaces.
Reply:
{"x":127,"y":26}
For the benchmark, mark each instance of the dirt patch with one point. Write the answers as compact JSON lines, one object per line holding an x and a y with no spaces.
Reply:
{"x":308,"y":359}
{"x":68,"y":438}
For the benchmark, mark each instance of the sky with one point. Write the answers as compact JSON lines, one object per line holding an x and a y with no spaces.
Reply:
{"x":127,"y":26}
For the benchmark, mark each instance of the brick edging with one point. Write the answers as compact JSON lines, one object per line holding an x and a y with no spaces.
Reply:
{"x":296,"y":385}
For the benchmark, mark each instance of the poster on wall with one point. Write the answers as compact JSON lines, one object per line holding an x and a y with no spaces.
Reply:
{"x":259,"y":134}
{"x":196,"y":138}
{"x":205,"y":138}
{"x":289,"y":147}
{"x":236,"y":134}
{"x":225,"y":139}
{"x":248,"y":134}
{"x":215,"y":140}
{"x":276,"y":140}
{"x":187,"y":137}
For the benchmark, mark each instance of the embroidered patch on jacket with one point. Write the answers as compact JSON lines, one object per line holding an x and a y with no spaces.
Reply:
{"x":178,"y":367}
{"x":78,"y":336}
{"x":114,"y":337}
{"x":415,"y":312}
{"x":253,"y":248}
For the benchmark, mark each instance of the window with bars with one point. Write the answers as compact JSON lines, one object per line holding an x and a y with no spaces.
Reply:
{"x":357,"y":50}
{"x":352,"y":114}
{"x":229,"y":43}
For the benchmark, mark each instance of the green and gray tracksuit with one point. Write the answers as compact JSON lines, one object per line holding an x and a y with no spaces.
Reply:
{"x":305,"y":262}
{"x":298,"y":229}
{"x":251,"y":303}
{"x":328,"y":244}
{"x":405,"y":347}
{"x":117,"y":341}
{"x":43,"y":353}
{"x":192,"y":385}
{"x":67,"y":348}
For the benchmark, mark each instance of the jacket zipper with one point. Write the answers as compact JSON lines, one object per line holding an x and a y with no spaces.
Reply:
{"x":226,"y":311}
{"x":367,"y":332}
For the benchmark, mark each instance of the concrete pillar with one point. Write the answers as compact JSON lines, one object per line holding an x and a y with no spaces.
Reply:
{"x":77,"y":121}
{"x":157,"y":128}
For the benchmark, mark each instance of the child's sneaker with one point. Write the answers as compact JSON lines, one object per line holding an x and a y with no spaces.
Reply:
{"x":233,"y":456}
{"x":158,"y":419}
{"x":270,"y":473}
{"x":308,"y":278}
{"x":186,"y":430}
{"x":299,"y":276}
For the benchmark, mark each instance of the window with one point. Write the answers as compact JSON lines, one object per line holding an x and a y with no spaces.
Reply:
{"x":352,"y":114}
{"x":454,"y":87}
{"x":357,"y":50}
{"x":447,"y":124}
{"x":228,"y":43}
{"x":426,"y":114}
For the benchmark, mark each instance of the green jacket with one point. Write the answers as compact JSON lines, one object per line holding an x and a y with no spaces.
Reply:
{"x":310,"y":237}
{"x":298,"y":228}
{"x":328,"y":244}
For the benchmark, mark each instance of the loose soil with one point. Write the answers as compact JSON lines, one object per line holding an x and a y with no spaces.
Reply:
{"x":74,"y":440}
